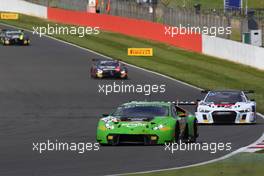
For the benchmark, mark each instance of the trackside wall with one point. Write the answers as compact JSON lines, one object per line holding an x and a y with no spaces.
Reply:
{"x":23,"y":7}
{"x":226,"y":49}
{"x":132,"y":27}
{"x":233,"y":51}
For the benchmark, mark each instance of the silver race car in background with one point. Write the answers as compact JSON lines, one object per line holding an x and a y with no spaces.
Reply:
{"x":226,"y":106}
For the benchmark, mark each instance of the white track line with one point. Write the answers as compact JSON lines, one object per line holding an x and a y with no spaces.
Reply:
{"x":260,"y":115}
{"x":252,"y":148}
{"x":159,"y":74}
{"x":242,"y":149}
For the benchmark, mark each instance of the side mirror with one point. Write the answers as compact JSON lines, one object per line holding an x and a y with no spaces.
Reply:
{"x":183,"y":115}
{"x":252,"y":99}
{"x":95,"y":60}
{"x":198,"y":100}
{"x":105,"y":115}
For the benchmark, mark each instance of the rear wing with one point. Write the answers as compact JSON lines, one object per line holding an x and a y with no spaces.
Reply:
{"x":11,"y":30}
{"x":184,"y":103}
{"x":248,"y":91}
{"x":245,"y":91}
{"x":97,"y":60}
{"x":204,"y":91}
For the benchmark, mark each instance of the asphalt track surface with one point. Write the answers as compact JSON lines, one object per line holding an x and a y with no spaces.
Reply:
{"x":46,"y":93}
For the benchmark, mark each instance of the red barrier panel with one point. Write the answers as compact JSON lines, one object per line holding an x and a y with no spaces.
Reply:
{"x":132,"y":27}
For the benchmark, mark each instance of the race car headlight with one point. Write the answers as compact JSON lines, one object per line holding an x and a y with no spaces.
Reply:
{"x":108,"y":126}
{"x":158,"y":127}
{"x":246,"y":110}
{"x":203,"y":110}
{"x":99,"y":71}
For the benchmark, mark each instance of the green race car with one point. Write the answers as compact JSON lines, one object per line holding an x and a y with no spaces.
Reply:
{"x":147,"y":123}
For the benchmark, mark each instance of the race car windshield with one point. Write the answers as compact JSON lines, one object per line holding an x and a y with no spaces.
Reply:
{"x":224,"y":97}
{"x":13,"y":33}
{"x":107,"y":63}
{"x":141,"y":111}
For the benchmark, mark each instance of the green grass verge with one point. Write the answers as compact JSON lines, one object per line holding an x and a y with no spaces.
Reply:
{"x":196,"y":69}
{"x":243,"y":164}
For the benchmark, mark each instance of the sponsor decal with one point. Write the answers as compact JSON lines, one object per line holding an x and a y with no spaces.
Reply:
{"x":9,"y":16}
{"x":133,"y":125}
{"x":140,"y":52}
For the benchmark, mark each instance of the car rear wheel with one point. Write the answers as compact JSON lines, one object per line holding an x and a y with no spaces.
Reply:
{"x":125,"y":77}
{"x":177,"y":133}
{"x":193,"y":138}
{"x":186,"y":134}
{"x":188,"y":138}
{"x":92,"y":75}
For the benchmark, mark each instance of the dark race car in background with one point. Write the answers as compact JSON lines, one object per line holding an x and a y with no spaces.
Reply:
{"x":226,"y":106}
{"x":14,"y":37}
{"x":108,"y":69}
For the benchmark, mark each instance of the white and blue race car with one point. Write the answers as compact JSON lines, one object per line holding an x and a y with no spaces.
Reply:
{"x":226,"y":107}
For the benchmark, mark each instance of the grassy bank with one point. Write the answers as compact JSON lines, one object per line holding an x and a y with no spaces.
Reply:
{"x":200,"y":70}
{"x":243,"y":164}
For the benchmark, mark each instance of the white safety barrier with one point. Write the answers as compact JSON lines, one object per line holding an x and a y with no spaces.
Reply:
{"x":23,"y":7}
{"x":233,"y":51}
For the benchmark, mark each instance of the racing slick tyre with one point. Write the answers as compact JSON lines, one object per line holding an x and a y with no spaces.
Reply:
{"x":124,"y":77}
{"x":190,"y":139}
{"x":185,"y":138}
{"x":195,"y":133}
{"x":92,"y":75}
{"x":177,"y":133}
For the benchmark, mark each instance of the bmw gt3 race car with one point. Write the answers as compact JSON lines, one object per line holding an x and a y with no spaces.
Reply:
{"x":147,"y":123}
{"x":14,"y":37}
{"x":108,"y":69}
{"x":226,"y":106}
